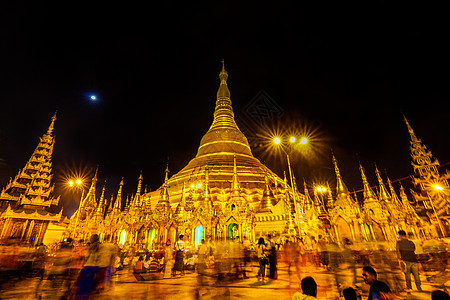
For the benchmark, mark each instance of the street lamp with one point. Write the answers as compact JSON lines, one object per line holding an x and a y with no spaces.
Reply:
{"x":77,"y":183}
{"x":292,"y":140}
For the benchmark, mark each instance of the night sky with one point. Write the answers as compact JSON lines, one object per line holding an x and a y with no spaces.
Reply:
{"x":342,"y":74}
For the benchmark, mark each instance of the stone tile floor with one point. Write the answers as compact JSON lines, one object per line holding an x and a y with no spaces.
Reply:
{"x":125,"y":286}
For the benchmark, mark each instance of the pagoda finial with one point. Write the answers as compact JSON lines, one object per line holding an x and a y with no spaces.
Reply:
{"x":368,"y":193}
{"x":340,"y":186}
{"x":118,"y":203}
{"x":52,"y":124}
{"x":139,"y":187}
{"x":410,"y":130}
{"x":235,"y":186}
{"x":308,"y":200}
{"x":383,"y":193}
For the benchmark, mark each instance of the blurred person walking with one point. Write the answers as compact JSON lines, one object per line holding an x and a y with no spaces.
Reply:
{"x":88,"y":275}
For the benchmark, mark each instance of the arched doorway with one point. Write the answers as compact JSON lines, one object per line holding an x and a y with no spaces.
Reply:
{"x":198,"y":235}
{"x":151,"y":236}
{"x":123,"y":236}
{"x":343,"y":229}
{"x":233,"y":231}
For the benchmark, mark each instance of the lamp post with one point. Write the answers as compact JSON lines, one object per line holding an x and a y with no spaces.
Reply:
{"x":292,"y":140}
{"x":438,"y":188}
{"x":78,"y":185}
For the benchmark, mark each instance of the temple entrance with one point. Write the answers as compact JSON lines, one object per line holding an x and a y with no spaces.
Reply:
{"x":198,"y":235}
{"x":151,"y":236}
{"x":123,"y":236}
{"x":233,"y":231}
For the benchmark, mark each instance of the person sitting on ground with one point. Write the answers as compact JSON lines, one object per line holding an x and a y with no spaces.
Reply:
{"x":370,"y":276}
{"x":439,"y":295}
{"x":139,"y":268}
{"x":309,"y":289}
{"x":383,"y":292}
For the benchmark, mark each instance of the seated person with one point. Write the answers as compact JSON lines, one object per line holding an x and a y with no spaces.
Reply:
{"x":139,"y":268}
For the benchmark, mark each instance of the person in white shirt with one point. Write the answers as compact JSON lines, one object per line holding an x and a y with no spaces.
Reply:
{"x":179,"y":256}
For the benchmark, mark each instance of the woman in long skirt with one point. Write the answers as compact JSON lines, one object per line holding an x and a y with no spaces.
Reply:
{"x":179,"y":256}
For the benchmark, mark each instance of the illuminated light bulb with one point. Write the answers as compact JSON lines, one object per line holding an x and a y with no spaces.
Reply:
{"x":303,"y":141}
{"x":70,"y":183}
{"x":93,"y":97}
{"x":277,"y":140}
{"x":438,"y":187}
{"x":292,"y":139}
{"x":78,"y":181}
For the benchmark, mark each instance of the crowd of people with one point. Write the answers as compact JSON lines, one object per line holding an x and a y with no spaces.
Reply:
{"x":76,"y":270}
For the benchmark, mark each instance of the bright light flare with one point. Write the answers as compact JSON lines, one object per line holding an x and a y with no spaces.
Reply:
{"x":438,"y":187}
{"x":93,"y":97}
{"x":277,"y":140}
{"x":292,"y":139}
{"x":321,"y":189}
{"x":303,"y":141}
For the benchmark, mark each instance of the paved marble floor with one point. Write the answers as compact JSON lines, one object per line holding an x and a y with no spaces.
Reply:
{"x":125,"y":286}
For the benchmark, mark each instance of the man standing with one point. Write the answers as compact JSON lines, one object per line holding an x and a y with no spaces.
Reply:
{"x":272,"y":256}
{"x":370,"y":276}
{"x":406,"y":252}
{"x":179,"y":256}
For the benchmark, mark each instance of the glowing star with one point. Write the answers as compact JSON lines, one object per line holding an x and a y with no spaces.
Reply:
{"x":93,"y":97}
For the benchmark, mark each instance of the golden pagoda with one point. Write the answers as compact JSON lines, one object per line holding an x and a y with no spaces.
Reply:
{"x":224,"y":192}
{"x":25,"y":200}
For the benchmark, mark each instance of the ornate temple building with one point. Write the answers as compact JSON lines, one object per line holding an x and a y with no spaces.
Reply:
{"x":25,"y":200}
{"x":224,"y":192}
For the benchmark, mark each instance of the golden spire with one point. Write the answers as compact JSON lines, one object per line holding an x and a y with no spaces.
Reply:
{"x":340,"y":186}
{"x":118,"y":203}
{"x":308,"y":200}
{"x":383,"y":193}
{"x":235,"y":187}
{"x":394,"y":196}
{"x":268,"y":199}
{"x":410,"y":130}
{"x":101,"y":202}
{"x":164,"y":202}
{"x":207,"y":191}
{"x":368,"y":193}
{"x":110,"y":206}
{"x":52,"y":125}
{"x":137,"y":197}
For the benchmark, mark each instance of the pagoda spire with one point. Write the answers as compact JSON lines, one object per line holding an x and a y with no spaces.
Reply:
{"x":223,"y":114}
{"x":394,"y":196}
{"x":308,"y":200}
{"x":179,"y":210}
{"x":369,"y":195}
{"x":383,"y":193}
{"x":101,"y":203}
{"x":268,"y":199}
{"x":236,"y":188}
{"x":32,"y":186}
{"x":341,"y":188}
{"x":164,"y":202}
{"x":110,"y":205}
{"x":118,"y":203}
{"x":52,"y":125}
{"x":138,"y":192}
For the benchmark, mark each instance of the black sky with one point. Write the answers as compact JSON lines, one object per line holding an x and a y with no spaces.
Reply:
{"x":346,"y":71}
